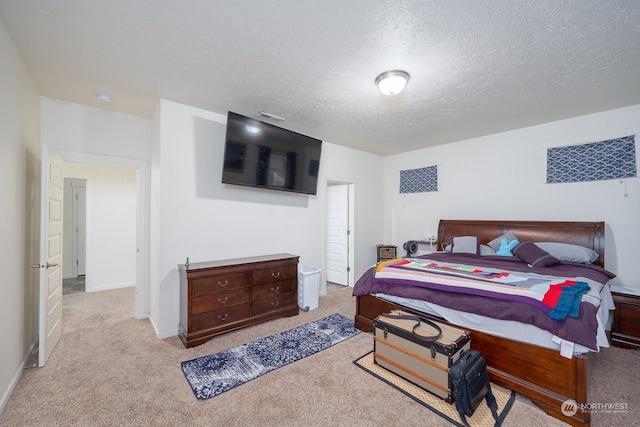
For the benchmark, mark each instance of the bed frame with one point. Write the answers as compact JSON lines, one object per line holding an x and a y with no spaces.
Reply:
{"x":538,"y":373}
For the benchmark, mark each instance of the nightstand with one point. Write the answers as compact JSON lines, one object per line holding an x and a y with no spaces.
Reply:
{"x":625,"y":331}
{"x":386,"y":252}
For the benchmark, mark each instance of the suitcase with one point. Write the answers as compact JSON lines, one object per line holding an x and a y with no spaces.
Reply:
{"x":419,"y":350}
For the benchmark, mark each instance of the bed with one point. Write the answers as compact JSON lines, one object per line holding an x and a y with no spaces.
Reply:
{"x":533,"y":369}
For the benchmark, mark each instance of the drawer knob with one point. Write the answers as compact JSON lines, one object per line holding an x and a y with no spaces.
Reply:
{"x":223,"y":301}
{"x":221,"y":317}
{"x":225,"y":283}
{"x":275,"y":303}
{"x":276,"y":274}
{"x":276,"y":289}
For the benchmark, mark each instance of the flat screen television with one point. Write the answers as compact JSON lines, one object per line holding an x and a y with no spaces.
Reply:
{"x":258,"y":154}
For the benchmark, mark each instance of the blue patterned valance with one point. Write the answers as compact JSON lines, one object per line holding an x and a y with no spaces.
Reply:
{"x":419,"y":180}
{"x":611,"y":159}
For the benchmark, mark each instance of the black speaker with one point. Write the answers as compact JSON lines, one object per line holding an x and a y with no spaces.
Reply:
{"x":411,"y":247}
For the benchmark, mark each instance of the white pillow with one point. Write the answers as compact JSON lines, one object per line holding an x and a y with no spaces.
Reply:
{"x":465,"y":245}
{"x":569,"y":252}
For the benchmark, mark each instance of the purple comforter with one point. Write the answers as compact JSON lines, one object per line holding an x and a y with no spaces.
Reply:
{"x":581,"y":330}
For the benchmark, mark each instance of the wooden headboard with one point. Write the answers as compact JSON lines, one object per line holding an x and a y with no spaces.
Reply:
{"x":587,"y":234}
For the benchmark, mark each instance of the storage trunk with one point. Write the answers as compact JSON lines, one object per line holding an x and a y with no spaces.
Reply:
{"x":426,"y":364}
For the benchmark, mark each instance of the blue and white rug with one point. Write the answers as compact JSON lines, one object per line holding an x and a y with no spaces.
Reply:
{"x":214,"y":374}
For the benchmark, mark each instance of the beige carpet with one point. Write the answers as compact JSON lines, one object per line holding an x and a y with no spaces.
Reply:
{"x":482,"y":416}
{"x":110,"y":370}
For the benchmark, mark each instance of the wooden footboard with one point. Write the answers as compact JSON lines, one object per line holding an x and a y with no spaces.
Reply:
{"x":538,"y":373}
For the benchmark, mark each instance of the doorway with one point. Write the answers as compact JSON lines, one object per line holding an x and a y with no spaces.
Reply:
{"x":138,"y":169}
{"x":339,"y":233}
{"x":74,"y":236}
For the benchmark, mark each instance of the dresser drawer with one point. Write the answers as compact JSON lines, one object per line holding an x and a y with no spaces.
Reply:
{"x":270,"y":290}
{"x":220,"y":317}
{"x":269,"y":275}
{"x":276,"y":303}
{"x":215,"y":284}
{"x":210,"y":302}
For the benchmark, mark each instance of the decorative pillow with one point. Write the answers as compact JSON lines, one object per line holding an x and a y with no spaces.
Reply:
{"x":484,"y":250}
{"x":495,"y":243}
{"x":534,"y":256}
{"x":465,"y":245}
{"x":569,"y":252}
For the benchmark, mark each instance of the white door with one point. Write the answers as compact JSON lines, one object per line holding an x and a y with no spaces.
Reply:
{"x":80,"y":224}
{"x":50,"y":318}
{"x":337,"y":234}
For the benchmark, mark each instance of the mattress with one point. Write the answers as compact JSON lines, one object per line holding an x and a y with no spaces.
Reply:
{"x":513,"y":330}
{"x":510,"y":311}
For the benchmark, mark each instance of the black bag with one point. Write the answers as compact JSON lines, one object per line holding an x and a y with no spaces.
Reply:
{"x":471,"y":385}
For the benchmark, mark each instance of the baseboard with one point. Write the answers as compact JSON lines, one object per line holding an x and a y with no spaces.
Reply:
{"x":156,"y":331}
{"x":109,"y":287}
{"x":14,"y":381}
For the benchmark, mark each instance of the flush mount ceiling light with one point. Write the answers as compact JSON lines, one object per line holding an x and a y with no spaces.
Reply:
{"x":392,"y":82}
{"x":103,"y":97}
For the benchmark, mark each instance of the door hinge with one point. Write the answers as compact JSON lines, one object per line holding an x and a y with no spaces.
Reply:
{"x":348,"y":269}
{"x":77,"y":263}
{"x":348,"y":232}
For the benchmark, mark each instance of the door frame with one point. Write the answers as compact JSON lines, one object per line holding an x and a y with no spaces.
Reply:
{"x":79,"y":241}
{"x":351,"y":227}
{"x":71,"y":218}
{"x":142,"y":300}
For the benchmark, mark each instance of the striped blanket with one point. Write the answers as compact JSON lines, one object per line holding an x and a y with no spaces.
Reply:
{"x":557,"y":297}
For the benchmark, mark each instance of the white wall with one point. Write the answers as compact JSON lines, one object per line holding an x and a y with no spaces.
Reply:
{"x":19,"y":213}
{"x":111,"y":224}
{"x":82,"y":129}
{"x":502,"y":176}
{"x":365,"y":171}
{"x":94,"y":135}
{"x":202,"y":219}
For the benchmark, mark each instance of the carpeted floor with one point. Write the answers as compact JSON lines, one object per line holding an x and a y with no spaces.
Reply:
{"x":109,"y":369}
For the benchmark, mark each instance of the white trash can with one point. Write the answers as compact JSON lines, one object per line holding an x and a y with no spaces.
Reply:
{"x":308,"y":287}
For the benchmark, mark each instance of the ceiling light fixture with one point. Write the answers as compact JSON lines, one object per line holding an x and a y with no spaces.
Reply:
{"x":392,"y":82}
{"x":103,"y":97}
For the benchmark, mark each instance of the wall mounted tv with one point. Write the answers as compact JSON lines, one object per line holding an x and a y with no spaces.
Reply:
{"x":258,"y":154}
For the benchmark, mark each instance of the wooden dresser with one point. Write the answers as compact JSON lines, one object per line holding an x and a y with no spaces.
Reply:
{"x":220,"y":296}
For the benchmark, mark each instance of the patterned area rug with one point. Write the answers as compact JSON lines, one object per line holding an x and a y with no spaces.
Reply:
{"x":481,"y":417}
{"x":214,"y":374}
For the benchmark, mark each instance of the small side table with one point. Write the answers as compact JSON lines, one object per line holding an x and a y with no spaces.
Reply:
{"x":386,"y":252}
{"x":625,"y":331}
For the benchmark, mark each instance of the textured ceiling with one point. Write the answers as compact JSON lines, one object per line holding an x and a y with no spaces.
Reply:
{"x":477,"y":67}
